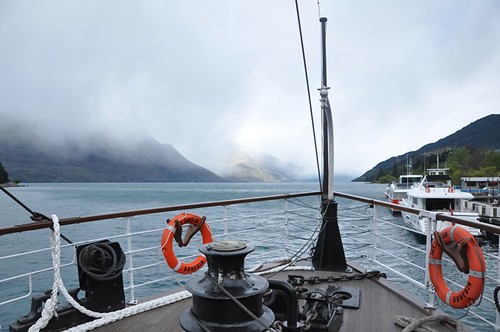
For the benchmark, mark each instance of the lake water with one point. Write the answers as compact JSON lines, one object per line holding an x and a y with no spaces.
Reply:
{"x":81,"y":199}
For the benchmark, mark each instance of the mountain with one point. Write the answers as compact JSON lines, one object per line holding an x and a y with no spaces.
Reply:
{"x":481,"y":134}
{"x":29,"y":157}
{"x":247,"y":166}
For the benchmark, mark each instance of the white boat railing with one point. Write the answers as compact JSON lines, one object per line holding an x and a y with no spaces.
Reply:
{"x":394,"y":248}
{"x":278,"y":228}
{"x":484,"y":209}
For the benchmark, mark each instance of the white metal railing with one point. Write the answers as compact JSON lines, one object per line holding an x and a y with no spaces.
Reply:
{"x":484,"y":210}
{"x":385,"y":236}
{"x":277,"y":229}
{"x":146,"y":272}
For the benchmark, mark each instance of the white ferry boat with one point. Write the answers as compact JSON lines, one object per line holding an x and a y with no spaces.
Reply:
{"x":396,"y":191}
{"x":435,"y":193}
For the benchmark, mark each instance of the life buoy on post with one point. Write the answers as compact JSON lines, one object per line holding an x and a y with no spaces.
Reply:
{"x":174,"y":230}
{"x":469,"y":259}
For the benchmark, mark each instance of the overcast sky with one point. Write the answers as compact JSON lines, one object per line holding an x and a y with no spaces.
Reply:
{"x":204,"y":75}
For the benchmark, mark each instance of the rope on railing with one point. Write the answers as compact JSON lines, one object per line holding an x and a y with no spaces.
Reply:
{"x":49,"y":309}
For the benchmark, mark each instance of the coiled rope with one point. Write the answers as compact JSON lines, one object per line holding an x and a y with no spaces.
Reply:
{"x":101,"y":261}
{"x":413,"y":324}
{"x":49,"y":309}
{"x":495,"y":297}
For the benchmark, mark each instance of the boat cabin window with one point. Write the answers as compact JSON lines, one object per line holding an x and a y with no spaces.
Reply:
{"x":398,"y":195}
{"x":410,"y":180}
{"x":439,"y":204}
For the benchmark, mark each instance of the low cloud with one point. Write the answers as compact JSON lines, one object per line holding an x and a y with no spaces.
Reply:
{"x":203,"y":76}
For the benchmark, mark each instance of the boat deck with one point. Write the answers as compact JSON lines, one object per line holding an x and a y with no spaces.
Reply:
{"x":380,"y":303}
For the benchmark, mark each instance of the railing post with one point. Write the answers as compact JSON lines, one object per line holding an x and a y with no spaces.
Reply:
{"x":130,"y":260}
{"x":430,"y":219}
{"x":373,"y":237}
{"x":225,"y":222}
{"x":497,"y":315}
{"x":287,"y":231}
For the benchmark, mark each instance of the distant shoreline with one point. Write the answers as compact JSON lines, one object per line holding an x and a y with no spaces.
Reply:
{"x":12,"y":185}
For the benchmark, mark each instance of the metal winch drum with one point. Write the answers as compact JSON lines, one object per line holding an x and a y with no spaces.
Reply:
{"x":220,"y":295}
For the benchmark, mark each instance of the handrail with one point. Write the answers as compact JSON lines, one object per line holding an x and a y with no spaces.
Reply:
{"x":135,"y":253}
{"x":124,"y":214}
{"x":75,"y":220}
{"x":484,"y":226}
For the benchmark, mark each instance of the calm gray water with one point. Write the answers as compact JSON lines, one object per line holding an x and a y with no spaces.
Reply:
{"x":80,"y":199}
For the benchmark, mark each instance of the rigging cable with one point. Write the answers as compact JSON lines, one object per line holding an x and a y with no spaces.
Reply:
{"x":35,"y":216}
{"x":308,"y":91}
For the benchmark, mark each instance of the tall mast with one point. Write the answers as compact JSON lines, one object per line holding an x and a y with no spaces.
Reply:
{"x":326,"y":120}
{"x":329,"y":251}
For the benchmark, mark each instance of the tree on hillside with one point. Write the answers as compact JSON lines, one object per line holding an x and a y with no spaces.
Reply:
{"x":492,"y":159}
{"x":458,"y":157}
{"x":380,"y":173}
{"x":4,"y":177}
{"x":395,"y":170}
{"x":475,"y":160}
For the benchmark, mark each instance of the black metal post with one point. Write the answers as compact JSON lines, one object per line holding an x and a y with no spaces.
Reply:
{"x":329,"y":252}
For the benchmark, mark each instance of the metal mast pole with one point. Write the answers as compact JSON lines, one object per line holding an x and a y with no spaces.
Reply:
{"x":329,"y":251}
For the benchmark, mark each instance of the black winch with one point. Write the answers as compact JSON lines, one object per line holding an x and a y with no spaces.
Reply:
{"x":226,"y":298}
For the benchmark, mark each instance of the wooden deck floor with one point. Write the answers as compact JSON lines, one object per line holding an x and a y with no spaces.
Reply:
{"x":380,"y":303}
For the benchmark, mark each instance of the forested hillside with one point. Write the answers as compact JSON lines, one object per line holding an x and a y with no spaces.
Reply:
{"x":4,"y":177}
{"x":471,"y":151}
{"x":463,"y":161}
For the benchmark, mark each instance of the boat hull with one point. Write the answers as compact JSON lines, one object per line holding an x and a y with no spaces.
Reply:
{"x":419,"y":224}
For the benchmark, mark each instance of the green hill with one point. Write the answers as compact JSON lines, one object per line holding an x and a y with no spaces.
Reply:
{"x":471,"y":151}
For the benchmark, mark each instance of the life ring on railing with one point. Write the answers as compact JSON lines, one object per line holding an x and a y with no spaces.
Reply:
{"x":458,"y":240}
{"x":174,"y":230}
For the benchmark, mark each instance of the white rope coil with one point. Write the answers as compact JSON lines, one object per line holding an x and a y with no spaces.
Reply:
{"x":414,"y":324}
{"x":130,"y":311}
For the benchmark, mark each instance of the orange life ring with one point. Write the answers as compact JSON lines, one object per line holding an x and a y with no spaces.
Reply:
{"x":477,"y":269}
{"x":167,"y":241}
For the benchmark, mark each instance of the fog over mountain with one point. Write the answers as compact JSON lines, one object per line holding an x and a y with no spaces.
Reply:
{"x":202,"y":75}
{"x":30,"y":154}
{"x":33,"y":156}
{"x":251,"y":166}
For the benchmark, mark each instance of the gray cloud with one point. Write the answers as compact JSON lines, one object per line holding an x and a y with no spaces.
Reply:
{"x":202,"y":76}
